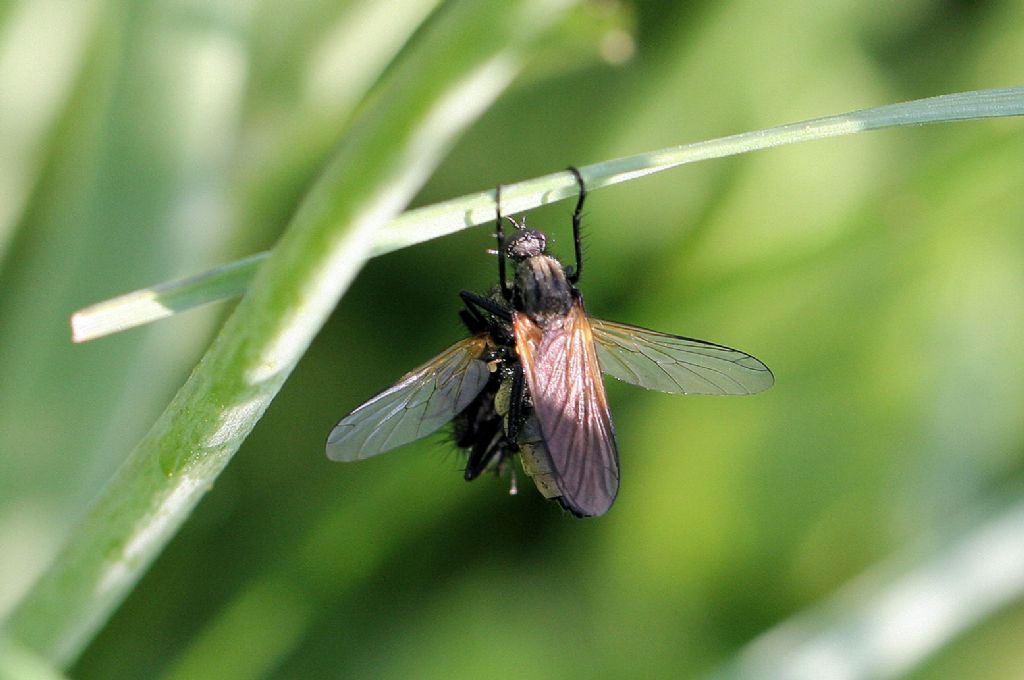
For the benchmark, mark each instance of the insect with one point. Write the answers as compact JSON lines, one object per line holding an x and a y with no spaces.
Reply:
{"x":528,"y":379}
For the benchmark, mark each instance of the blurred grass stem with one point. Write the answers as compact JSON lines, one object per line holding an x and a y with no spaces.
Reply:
{"x":887,"y":621}
{"x":467,"y":57}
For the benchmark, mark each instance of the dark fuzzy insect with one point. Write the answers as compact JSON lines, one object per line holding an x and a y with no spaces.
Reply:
{"x":528,"y":380}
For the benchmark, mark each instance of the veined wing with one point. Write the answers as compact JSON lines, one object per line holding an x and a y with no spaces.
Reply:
{"x":421,"y":402}
{"x":671,"y":363}
{"x":569,"y":401}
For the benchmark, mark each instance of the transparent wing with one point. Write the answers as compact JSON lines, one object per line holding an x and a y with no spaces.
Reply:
{"x":421,"y":402}
{"x":670,"y":363}
{"x":564,"y":377}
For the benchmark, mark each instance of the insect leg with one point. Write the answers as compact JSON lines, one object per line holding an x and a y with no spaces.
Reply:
{"x":499,"y":232}
{"x":577,"y":215}
{"x":473,"y":316}
{"x":475,"y":303}
{"x":515,"y":406}
{"x":483,"y":451}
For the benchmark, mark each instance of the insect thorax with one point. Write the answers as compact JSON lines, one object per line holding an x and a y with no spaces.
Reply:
{"x":541,"y":289}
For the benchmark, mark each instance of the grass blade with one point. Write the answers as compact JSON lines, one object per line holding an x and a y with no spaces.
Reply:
{"x":458,"y":68}
{"x":422,"y":224}
{"x":940,"y":595}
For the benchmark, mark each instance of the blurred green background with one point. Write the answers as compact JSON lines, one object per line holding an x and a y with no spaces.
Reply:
{"x":881,"y":277}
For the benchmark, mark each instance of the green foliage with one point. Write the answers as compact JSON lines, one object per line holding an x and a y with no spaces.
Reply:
{"x":880,"y":276}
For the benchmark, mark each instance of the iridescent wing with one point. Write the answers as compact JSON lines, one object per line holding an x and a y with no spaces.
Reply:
{"x":564,"y":377}
{"x":421,"y":402}
{"x":670,"y":363}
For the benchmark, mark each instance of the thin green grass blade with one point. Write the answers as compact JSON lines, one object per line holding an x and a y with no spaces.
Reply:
{"x":422,"y":224}
{"x":163,"y":300}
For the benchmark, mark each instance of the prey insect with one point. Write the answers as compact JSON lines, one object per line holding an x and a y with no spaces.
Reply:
{"x":528,"y":379}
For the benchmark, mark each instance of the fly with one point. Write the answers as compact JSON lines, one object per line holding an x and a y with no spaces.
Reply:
{"x":528,"y":379}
